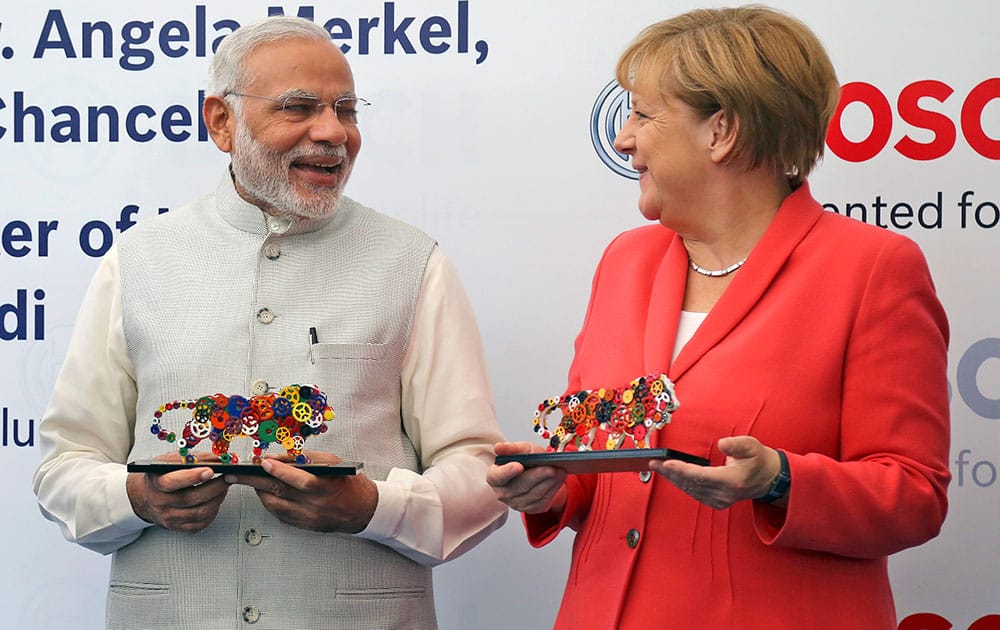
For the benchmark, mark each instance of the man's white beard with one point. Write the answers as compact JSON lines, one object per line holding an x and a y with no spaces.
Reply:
{"x":264,"y":174}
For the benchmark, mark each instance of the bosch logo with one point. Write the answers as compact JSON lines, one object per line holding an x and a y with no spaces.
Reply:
{"x":915,"y":107}
{"x":611,"y":109}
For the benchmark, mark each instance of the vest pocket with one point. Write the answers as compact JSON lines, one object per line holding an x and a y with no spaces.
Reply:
{"x":139,"y":604}
{"x":137,"y":589}
{"x":364,"y":351}
{"x":381,"y":593}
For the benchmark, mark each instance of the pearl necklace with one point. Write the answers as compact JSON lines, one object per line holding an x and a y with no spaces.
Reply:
{"x":716,"y":273}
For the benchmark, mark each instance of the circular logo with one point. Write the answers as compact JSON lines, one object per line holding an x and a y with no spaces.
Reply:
{"x":611,"y":109}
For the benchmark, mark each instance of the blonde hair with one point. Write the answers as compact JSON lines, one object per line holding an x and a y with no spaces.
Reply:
{"x":765,"y":70}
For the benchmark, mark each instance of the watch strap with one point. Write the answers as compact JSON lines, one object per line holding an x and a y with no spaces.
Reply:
{"x":781,"y":482}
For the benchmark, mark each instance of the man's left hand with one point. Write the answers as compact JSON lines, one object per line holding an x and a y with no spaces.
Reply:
{"x":303,"y":500}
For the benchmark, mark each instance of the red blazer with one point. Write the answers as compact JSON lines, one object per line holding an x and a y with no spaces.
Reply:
{"x":829,"y":344}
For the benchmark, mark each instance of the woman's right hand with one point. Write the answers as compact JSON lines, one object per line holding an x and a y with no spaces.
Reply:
{"x":533,"y":490}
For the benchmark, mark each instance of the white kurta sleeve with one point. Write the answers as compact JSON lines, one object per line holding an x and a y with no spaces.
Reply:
{"x":447,"y":409}
{"x":86,"y":432}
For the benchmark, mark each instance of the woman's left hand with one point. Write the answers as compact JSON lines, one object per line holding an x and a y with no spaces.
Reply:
{"x":747,"y":474}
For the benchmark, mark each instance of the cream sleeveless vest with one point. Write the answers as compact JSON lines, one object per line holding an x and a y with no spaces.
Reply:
{"x":219,"y":297}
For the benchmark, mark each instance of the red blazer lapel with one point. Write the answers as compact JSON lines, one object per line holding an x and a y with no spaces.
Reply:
{"x":665,"y":303}
{"x":795,"y":218}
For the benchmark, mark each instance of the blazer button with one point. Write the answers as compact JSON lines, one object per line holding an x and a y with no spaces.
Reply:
{"x":265,"y":316}
{"x":632,"y":538}
{"x":251,"y":614}
{"x":253,"y":537}
{"x":645,"y":476}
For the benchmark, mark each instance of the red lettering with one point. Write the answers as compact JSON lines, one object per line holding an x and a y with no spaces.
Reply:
{"x":881,"y":111}
{"x":972,"y":119}
{"x":925,"y":621}
{"x":942,"y":127}
{"x":989,"y":622}
{"x":931,"y":621}
{"x":908,"y":107}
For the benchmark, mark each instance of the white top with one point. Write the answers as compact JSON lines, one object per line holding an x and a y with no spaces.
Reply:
{"x":410,"y":513}
{"x":690,"y":321}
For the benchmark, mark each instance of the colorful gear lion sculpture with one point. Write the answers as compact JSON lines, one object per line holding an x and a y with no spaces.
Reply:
{"x":634,"y":411}
{"x":286,"y":418}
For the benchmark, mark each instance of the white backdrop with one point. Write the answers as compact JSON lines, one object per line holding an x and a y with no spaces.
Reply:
{"x":480,"y":135}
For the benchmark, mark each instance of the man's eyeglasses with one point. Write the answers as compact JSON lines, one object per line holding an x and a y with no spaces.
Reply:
{"x":303,"y":108}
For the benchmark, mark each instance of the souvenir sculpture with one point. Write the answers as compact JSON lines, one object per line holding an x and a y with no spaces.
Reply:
{"x":633,"y":411}
{"x":285,"y":418}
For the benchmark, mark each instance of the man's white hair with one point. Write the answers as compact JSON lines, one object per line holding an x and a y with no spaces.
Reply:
{"x":227,"y":71}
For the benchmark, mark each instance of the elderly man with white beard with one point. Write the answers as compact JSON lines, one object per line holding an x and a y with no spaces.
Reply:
{"x":275,"y":279}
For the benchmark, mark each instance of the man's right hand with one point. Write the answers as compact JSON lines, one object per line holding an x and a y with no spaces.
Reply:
{"x":182,"y":500}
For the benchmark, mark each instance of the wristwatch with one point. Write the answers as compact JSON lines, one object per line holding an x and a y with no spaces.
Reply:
{"x":781,"y":483}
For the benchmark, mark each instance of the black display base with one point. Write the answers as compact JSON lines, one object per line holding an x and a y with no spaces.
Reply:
{"x":320,"y":470}
{"x":623,"y":460}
